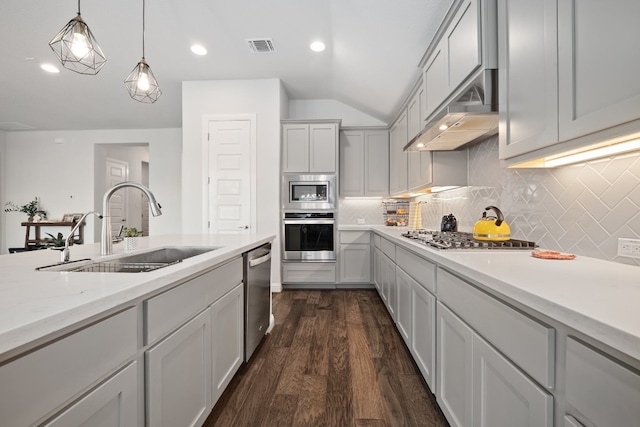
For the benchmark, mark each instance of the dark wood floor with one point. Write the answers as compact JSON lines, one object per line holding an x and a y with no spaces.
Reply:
{"x":334,"y":358}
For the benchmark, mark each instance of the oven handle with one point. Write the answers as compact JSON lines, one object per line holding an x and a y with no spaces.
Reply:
{"x":309,"y":221}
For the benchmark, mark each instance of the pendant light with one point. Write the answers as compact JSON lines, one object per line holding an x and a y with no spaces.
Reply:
{"x":141,"y":83}
{"x":77,"y":49}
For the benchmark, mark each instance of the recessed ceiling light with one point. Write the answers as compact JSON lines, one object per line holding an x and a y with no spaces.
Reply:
{"x":50,"y":68}
{"x":317,"y":46}
{"x":443,"y":127}
{"x":198,"y":49}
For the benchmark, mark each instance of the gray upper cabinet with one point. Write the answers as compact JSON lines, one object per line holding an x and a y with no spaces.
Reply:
{"x":414,"y":112}
{"x":398,"y":158}
{"x":295,"y":148}
{"x":309,"y":147}
{"x":567,"y":75}
{"x":467,"y":45}
{"x":364,"y":162}
{"x":435,"y":80}
{"x":598,"y":65}
{"x":528,"y":75}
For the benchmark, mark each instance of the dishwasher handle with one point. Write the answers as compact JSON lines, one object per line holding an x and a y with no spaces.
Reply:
{"x":257,"y":261}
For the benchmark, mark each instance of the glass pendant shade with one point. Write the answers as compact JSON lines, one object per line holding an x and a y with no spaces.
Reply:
{"x":142,"y":84}
{"x":77,"y":49}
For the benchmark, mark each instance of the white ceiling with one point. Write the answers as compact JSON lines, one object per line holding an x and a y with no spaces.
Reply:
{"x":373,"y":49}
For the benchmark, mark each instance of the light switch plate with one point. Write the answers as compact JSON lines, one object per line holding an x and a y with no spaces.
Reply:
{"x":629,"y":247}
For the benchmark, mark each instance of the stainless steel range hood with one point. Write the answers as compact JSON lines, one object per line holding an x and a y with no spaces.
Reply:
{"x":471,"y":116}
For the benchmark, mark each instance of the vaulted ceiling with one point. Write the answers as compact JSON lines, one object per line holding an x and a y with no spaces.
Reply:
{"x":373,"y":50}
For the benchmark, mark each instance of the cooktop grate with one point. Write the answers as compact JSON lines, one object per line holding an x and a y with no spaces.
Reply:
{"x":462,"y":240}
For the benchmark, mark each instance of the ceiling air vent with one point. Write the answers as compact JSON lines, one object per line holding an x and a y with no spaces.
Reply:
{"x":261,"y":45}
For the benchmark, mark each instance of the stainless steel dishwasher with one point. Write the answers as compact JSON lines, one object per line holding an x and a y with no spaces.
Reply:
{"x":257,"y":297}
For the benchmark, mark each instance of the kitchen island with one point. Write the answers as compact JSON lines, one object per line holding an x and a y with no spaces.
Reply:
{"x":72,"y":342}
{"x":485,"y":326}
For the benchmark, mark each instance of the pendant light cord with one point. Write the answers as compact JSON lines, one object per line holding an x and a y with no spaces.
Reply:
{"x":143,"y":2}
{"x":78,"y":7}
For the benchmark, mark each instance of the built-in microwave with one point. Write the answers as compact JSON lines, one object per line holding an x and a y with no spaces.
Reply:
{"x":308,"y":192}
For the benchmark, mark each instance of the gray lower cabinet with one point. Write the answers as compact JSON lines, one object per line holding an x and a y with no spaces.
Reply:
{"x":600,"y":391}
{"x":377,"y":269}
{"x":178,"y":369}
{"x":188,"y":367}
{"x":76,"y":377}
{"x":303,"y":273}
{"x":454,"y":391}
{"x":388,"y":287}
{"x":503,"y":395}
{"x":227,"y":343}
{"x":404,"y":287}
{"x":112,"y":403}
{"x":479,"y":387}
{"x":423,"y":332}
{"x":354,"y":257}
{"x":402,"y":282}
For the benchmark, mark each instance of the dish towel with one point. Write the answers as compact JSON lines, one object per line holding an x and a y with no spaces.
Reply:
{"x":415,"y":216}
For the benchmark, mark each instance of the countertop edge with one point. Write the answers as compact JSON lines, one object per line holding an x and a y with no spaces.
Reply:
{"x":31,"y":335}
{"x":608,"y":334}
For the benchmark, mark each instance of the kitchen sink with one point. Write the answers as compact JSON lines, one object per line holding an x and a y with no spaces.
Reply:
{"x":133,"y":263}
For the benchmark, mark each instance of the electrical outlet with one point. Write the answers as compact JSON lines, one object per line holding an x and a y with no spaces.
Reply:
{"x":629,"y":248}
{"x":360,"y":220}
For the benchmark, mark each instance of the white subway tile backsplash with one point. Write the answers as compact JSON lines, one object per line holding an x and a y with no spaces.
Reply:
{"x":581,"y":209}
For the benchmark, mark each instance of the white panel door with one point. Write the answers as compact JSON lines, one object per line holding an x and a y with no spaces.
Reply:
{"x":117,"y":172}
{"x":229,"y":175}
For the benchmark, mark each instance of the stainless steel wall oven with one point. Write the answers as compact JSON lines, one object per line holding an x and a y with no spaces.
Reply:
{"x":309,"y":236}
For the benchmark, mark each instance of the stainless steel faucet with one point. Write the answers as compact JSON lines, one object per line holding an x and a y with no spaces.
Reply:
{"x":64,"y":255}
{"x":106,"y":245}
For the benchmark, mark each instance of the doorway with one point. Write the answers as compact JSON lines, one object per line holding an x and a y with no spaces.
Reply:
{"x":136,"y":158}
{"x":231,"y":174}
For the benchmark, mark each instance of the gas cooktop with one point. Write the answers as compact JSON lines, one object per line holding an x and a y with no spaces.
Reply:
{"x":461,"y":240}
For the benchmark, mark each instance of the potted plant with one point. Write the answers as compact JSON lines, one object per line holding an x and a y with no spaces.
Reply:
{"x":32,"y":209}
{"x":55,"y":241}
{"x":131,"y":235}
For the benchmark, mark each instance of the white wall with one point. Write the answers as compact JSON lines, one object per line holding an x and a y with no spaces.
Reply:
{"x":58,"y":167}
{"x":3,"y":144}
{"x":330,"y":109}
{"x":265,"y":99}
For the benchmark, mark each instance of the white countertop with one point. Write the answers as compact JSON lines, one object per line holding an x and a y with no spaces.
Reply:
{"x":598,"y":298}
{"x":35,"y":305}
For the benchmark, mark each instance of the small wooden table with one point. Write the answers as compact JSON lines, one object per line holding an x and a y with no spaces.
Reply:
{"x":38,"y":238}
